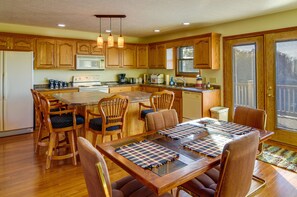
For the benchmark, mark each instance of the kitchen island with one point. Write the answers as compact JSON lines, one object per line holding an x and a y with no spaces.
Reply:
{"x":84,"y":101}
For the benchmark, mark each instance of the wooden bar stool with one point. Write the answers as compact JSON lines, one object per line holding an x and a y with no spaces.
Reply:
{"x":60,"y":122}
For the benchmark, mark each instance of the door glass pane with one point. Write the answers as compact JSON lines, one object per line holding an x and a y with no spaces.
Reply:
{"x":286,"y":84}
{"x":244,"y":75}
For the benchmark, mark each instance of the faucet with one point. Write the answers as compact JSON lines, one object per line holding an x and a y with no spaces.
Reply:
{"x":180,"y":79}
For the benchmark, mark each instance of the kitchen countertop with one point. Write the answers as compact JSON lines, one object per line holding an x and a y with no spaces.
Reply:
{"x":92,"y":98}
{"x":187,"y":88}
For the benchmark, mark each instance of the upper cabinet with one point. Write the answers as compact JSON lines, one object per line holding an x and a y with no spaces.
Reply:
{"x":121,"y":58}
{"x":207,"y":51}
{"x":142,"y":56}
{"x":157,"y":56}
{"x":89,"y":48}
{"x":16,"y":42}
{"x":55,"y":54}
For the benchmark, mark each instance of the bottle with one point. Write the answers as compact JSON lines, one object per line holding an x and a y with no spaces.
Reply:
{"x":198,"y":81}
{"x":208,"y":85}
{"x":171,"y":81}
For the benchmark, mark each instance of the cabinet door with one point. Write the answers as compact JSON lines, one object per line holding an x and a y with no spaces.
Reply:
{"x":113,"y":59}
{"x":129,"y":56}
{"x":161,"y":56}
{"x":152,"y":56}
{"x":23,"y":44}
{"x":202,"y":53}
{"x":83,"y":47}
{"x":45,"y":53}
{"x":120,"y":89}
{"x":65,"y":54}
{"x":5,"y":42}
{"x":97,"y":51}
{"x":142,"y":56}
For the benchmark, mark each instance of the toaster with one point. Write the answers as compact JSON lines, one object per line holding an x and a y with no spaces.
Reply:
{"x":157,"y":78}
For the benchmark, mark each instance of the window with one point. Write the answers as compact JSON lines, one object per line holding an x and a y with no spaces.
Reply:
{"x":185,"y":61}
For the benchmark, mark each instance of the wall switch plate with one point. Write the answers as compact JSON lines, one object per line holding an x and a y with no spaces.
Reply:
{"x":212,"y":80}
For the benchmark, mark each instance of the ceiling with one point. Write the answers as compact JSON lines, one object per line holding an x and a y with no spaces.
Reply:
{"x":143,"y":16}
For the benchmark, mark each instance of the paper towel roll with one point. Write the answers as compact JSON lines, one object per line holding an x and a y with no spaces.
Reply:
{"x":167,"y":79}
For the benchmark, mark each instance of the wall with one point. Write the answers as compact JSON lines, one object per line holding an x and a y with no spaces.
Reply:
{"x":262,"y":23}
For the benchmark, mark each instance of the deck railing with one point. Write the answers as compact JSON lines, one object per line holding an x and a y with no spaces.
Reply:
{"x":286,"y":98}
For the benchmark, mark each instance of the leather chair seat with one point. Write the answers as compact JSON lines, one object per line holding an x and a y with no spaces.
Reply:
{"x":145,"y":112}
{"x":204,"y":185}
{"x":66,"y":120}
{"x":129,"y":186}
{"x":96,"y":124}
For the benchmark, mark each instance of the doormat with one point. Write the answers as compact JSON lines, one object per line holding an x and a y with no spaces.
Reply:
{"x":279,"y":157}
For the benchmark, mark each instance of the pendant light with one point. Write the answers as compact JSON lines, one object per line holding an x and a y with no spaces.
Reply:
{"x":110,"y":37}
{"x":100,"y":39}
{"x":121,"y":38}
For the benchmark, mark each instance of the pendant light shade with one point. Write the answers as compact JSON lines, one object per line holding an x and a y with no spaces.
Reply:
{"x":100,"y":39}
{"x":121,"y":38}
{"x":110,"y":38}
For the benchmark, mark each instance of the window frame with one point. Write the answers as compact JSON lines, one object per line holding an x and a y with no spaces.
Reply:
{"x":177,"y":71}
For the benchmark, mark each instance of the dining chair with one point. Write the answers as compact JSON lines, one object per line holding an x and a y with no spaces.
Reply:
{"x":62,"y":122}
{"x":97,"y":177}
{"x":158,"y":101}
{"x":234,"y":175}
{"x":161,"y":120}
{"x":111,"y":118}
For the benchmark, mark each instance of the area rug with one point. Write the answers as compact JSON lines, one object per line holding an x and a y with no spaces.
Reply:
{"x":279,"y":157}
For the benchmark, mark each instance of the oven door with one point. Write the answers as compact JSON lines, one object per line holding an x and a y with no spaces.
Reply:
{"x":104,"y":89}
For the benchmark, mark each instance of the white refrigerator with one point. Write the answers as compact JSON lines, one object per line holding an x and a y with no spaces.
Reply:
{"x":16,"y":80}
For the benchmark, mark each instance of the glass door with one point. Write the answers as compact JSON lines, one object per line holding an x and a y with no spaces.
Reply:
{"x":243,"y":73}
{"x":281,"y":91}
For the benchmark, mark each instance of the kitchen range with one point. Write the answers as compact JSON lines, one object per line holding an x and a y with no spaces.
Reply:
{"x":89,"y":83}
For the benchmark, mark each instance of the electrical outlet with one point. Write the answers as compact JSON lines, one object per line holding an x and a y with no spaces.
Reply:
{"x":212,"y":80}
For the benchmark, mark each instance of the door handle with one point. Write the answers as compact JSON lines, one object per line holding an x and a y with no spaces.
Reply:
{"x":270,"y":95}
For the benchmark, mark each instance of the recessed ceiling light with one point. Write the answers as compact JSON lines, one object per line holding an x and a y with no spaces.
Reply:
{"x":186,"y":23}
{"x":61,"y":25}
{"x":108,"y":31}
{"x":157,"y":30}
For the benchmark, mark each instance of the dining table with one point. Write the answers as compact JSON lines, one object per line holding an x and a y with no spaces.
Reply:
{"x":165,"y":159}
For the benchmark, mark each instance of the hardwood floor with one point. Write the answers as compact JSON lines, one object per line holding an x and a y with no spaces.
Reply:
{"x":22,"y":173}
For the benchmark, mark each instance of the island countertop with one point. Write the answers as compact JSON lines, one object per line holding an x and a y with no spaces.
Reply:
{"x":92,"y":98}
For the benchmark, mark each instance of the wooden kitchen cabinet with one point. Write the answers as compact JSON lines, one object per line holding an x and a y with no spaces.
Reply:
{"x":45,"y":54}
{"x":121,"y":58}
{"x":157,"y":56}
{"x":120,"y":89}
{"x":142,"y":56}
{"x":129,"y":57}
{"x":16,"y":42}
{"x":55,"y":54}
{"x":207,"y":51}
{"x":65,"y":54}
{"x":89,"y":48}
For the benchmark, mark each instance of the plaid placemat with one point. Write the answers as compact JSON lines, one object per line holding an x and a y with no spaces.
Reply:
{"x":228,"y":127}
{"x":181,"y":131}
{"x":147,"y":154}
{"x":211,"y":145}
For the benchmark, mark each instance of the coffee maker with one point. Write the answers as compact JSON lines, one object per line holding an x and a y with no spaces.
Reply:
{"x":121,"y":78}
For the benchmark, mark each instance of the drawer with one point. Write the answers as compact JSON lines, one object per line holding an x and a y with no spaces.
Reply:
{"x":120,"y":89}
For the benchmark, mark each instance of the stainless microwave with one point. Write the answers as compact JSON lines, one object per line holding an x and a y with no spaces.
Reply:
{"x":90,"y":62}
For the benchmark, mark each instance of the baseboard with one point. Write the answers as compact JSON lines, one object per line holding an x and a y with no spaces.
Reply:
{"x":15,"y":132}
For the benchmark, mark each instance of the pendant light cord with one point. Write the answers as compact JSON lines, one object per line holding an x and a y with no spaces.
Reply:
{"x":110,"y":26}
{"x":100,"y":27}
{"x":121,"y":27}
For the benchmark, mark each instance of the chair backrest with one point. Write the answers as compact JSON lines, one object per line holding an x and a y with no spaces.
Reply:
{"x":161,"y":120}
{"x":94,"y":169}
{"x":250,"y":117}
{"x":37,"y":106}
{"x":45,"y":110}
{"x":162,"y":100}
{"x":237,"y":165}
{"x":113,"y":110}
